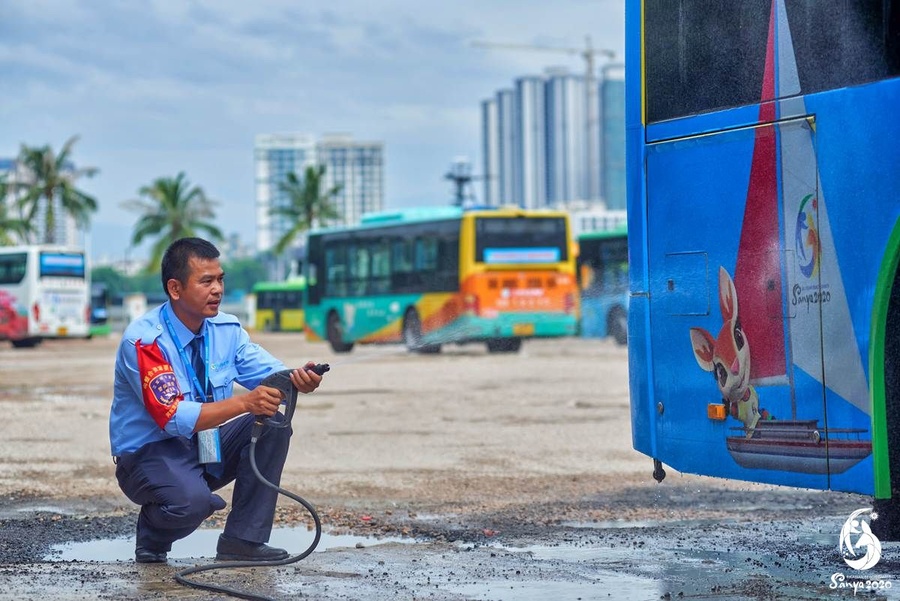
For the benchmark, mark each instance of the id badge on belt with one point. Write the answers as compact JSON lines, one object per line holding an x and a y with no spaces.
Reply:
{"x":209,"y":446}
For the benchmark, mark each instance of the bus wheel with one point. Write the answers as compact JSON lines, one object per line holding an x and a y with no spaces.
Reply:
{"x":412,"y":335}
{"x":26,"y":342}
{"x":336,"y":335}
{"x":617,"y":325}
{"x":504,"y":345}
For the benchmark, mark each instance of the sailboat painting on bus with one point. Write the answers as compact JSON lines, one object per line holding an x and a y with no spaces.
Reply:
{"x":786,"y":297}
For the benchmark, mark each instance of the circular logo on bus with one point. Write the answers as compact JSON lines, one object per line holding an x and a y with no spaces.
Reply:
{"x":806,"y":240}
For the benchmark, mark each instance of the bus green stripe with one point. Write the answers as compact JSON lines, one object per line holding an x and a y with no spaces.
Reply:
{"x":880,"y":307}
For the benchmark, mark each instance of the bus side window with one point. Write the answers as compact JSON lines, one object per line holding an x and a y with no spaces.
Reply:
{"x":401,"y":265}
{"x":359,"y":270}
{"x":336,"y":271}
{"x":381,"y":267}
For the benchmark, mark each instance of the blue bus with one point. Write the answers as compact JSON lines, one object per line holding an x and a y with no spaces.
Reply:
{"x":603,"y":283}
{"x":764,"y":240}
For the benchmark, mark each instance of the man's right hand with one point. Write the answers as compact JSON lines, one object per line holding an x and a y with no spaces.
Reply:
{"x":262,"y":400}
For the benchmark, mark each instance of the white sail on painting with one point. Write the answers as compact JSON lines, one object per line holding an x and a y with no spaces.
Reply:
{"x":804,"y":292}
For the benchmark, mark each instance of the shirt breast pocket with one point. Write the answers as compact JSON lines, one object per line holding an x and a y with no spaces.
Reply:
{"x":221,"y":378}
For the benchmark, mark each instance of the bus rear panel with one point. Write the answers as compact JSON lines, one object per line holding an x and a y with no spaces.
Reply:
{"x":43,"y":294}
{"x":764,"y":239}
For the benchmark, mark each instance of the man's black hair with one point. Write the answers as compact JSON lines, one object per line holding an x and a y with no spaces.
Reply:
{"x":175,"y":260}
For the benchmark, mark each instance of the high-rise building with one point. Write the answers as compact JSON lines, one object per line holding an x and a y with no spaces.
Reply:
{"x":612,"y":103}
{"x":490,"y":150}
{"x":566,"y":138}
{"x":508,"y":166}
{"x":356,"y":167}
{"x":544,"y":132}
{"x":531,"y":150}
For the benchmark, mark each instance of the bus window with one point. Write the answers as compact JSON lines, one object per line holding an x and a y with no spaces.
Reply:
{"x":381,"y":267}
{"x":12,"y":268}
{"x":521,"y":240}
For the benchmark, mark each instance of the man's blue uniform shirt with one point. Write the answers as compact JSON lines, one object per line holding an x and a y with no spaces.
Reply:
{"x":232,"y":358}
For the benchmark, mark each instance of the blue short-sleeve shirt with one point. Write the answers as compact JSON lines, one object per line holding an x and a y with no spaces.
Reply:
{"x":232,"y":358}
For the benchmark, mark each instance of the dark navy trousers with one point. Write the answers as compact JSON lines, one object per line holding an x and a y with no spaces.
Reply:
{"x":175,"y":491}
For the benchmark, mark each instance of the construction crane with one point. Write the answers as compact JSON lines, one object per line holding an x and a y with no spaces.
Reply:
{"x":588,"y":53}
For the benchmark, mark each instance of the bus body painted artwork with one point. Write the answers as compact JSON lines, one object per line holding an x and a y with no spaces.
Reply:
{"x":279,"y":305}
{"x":44,"y":293}
{"x":764,"y":321}
{"x":603,"y":282}
{"x":427,"y":277}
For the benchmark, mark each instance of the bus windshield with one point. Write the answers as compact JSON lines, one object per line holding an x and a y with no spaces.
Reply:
{"x":521,"y":240}
{"x":57,"y":264}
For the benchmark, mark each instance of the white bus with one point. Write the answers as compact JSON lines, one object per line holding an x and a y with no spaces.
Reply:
{"x":44,"y":293}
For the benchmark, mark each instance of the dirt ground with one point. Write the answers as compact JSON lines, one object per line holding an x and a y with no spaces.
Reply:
{"x":495,"y":476}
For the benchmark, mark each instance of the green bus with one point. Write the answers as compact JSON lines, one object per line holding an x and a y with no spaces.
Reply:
{"x":429,"y":276}
{"x":279,"y":305}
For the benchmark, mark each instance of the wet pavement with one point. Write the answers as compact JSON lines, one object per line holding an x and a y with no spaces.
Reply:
{"x":449,"y":477}
{"x":779,"y":544}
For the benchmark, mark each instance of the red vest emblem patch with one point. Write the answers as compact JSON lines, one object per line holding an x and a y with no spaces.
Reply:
{"x":158,"y":383}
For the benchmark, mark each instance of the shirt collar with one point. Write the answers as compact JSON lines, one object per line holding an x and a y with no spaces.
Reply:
{"x":184,"y":335}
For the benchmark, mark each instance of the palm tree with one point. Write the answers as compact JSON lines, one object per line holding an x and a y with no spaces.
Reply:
{"x":307,"y":204}
{"x":172,"y":208}
{"x":10,"y":227}
{"x":49,"y":178}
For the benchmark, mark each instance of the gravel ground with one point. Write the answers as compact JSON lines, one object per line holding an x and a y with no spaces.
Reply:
{"x":502,"y":476}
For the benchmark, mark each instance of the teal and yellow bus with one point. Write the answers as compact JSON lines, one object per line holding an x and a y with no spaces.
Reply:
{"x":603,"y":283}
{"x":426,"y":277}
{"x":279,"y":305}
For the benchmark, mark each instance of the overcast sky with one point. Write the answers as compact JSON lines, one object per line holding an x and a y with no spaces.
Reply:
{"x":154,"y":87}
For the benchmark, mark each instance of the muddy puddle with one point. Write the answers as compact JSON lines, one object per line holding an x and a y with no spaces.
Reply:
{"x":202,"y":544}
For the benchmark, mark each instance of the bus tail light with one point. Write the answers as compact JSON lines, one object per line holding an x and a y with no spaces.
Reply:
{"x":470,"y":304}
{"x":36,"y":311}
{"x":569,"y":302}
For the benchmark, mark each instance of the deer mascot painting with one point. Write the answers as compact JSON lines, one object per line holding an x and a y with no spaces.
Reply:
{"x":727,"y":356}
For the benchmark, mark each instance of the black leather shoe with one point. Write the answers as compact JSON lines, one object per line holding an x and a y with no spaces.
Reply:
{"x":145,"y":555}
{"x":235,"y":549}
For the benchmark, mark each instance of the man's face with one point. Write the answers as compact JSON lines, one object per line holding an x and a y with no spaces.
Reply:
{"x":201,"y":295}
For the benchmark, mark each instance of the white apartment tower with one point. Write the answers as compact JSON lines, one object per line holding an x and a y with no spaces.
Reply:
{"x":357,"y":167}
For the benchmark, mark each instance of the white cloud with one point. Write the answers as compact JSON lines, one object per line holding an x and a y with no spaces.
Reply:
{"x":159,"y":87}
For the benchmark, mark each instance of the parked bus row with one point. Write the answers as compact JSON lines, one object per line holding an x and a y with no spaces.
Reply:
{"x":414,"y":259}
